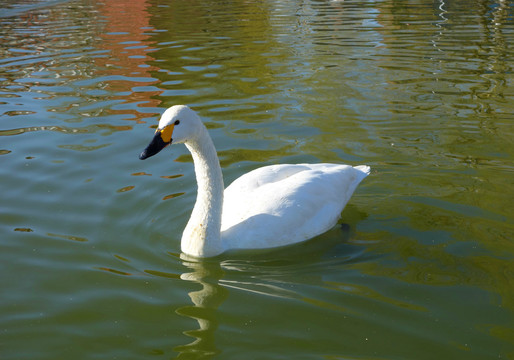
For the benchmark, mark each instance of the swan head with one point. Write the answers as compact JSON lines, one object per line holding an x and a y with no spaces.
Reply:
{"x":178,"y":124}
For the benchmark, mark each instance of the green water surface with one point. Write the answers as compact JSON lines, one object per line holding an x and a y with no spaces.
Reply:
{"x":421,"y":265}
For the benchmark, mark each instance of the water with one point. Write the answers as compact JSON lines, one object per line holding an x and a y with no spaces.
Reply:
{"x":421,"y":267}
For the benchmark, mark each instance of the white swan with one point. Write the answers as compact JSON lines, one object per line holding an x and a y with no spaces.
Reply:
{"x":268,"y":207}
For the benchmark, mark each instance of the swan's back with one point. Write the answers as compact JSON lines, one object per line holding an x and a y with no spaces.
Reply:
{"x":283,"y":204}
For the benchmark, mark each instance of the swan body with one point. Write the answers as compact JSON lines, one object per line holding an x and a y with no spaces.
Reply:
{"x":271,"y":206}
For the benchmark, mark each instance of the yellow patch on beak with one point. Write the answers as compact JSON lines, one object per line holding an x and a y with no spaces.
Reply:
{"x":166,"y":133}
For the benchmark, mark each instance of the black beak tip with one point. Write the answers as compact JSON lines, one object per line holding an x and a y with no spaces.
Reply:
{"x":156,"y":145}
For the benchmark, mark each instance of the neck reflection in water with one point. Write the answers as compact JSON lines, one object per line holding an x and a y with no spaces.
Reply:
{"x":204,"y":308}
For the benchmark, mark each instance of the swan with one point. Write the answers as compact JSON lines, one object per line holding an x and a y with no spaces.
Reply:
{"x":268,"y":207}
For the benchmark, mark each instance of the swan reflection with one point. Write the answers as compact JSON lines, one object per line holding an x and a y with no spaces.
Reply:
{"x":273,"y":274}
{"x":214,"y":289}
{"x":204,"y":308}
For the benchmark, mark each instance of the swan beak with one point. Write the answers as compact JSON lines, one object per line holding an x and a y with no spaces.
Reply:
{"x":157,"y":144}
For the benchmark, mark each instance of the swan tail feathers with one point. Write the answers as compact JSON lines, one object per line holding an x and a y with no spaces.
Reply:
{"x":363,"y":168}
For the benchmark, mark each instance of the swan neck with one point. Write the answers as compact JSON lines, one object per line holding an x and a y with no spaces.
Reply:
{"x":201,"y":236}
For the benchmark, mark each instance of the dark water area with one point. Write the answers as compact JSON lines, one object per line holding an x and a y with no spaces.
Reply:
{"x":421,"y":266}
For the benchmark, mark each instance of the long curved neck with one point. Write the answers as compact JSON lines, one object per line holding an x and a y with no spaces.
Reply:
{"x":201,"y":236}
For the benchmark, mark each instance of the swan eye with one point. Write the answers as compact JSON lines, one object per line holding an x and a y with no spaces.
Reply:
{"x":177,"y":122}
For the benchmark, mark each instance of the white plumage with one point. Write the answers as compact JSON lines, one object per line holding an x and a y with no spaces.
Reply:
{"x":268,"y":207}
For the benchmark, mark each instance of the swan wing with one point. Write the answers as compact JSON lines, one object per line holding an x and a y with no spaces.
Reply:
{"x":283,"y":204}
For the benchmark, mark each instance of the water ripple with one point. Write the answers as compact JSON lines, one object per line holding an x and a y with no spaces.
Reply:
{"x":422,"y":93}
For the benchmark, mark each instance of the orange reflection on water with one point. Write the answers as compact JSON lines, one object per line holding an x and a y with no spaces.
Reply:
{"x":127,"y":38}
